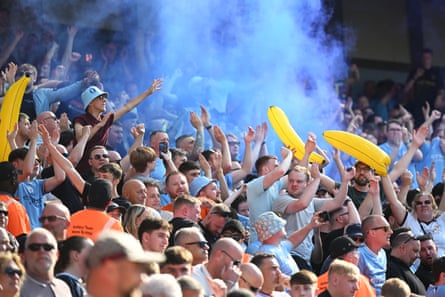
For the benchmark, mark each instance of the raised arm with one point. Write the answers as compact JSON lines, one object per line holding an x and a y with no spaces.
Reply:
{"x":260,"y":148}
{"x":30,"y":158}
{"x":52,"y":182}
{"x":205,"y":119}
{"x":246,"y":165}
{"x":219,"y":174}
{"x":155,"y":86}
{"x":419,"y":137}
{"x":342,"y":193}
{"x":198,"y":147}
{"x":398,"y":209}
{"x":309,"y":147}
{"x":68,"y":55}
{"x":328,"y":182}
{"x":138,"y":133}
{"x":222,"y":140}
{"x":279,"y":171}
{"x":65,"y":164}
{"x":79,"y":149}
{"x":371,"y":199}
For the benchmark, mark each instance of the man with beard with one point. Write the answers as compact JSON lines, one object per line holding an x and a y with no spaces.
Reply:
{"x":363,"y":172}
{"x":428,"y":253}
{"x":40,"y":257}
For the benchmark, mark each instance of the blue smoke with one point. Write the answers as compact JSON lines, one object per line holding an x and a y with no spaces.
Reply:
{"x":235,"y":57}
{"x":248,"y":55}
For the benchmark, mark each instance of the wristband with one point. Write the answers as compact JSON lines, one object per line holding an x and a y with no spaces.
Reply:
{"x":209,"y":127}
{"x":263,"y":143}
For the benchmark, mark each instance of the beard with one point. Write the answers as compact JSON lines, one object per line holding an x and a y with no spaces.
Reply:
{"x":361,"y":180}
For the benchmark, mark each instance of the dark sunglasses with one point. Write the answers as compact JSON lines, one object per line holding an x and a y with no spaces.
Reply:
{"x":4,"y":212}
{"x":358,"y":239}
{"x":11,"y":271}
{"x":251,"y":288}
{"x":235,"y":262}
{"x":236,"y":237}
{"x":98,"y":157}
{"x":38,"y":246}
{"x":223,"y":214}
{"x":385,"y":228}
{"x":202,"y":244}
{"x":410,"y":238}
{"x":426,"y":202}
{"x":50,"y":219}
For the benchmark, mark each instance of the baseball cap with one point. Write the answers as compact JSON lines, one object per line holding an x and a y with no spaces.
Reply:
{"x":268,"y":224}
{"x":198,"y":184}
{"x":354,"y":230}
{"x":341,"y":246}
{"x":90,"y":94}
{"x":114,"y":206}
{"x":114,"y":245}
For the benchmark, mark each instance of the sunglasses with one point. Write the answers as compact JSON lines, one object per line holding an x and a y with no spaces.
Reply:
{"x":98,"y":156}
{"x":234,"y":143}
{"x":102,"y":97}
{"x":251,"y":288}
{"x":410,"y":238}
{"x":11,"y":272}
{"x":202,"y":244}
{"x":358,"y":239}
{"x":426,"y":202}
{"x":384,"y":228}
{"x":38,"y":246}
{"x":235,"y":262}
{"x":223,"y":214}
{"x":4,"y":212}
{"x":50,"y":219}
{"x":236,"y":237}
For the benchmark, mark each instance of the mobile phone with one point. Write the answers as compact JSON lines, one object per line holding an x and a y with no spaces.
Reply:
{"x":323,"y":217}
{"x":163,"y":147}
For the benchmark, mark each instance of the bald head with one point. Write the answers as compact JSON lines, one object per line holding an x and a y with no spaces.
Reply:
{"x":251,"y":276}
{"x":56,"y":219}
{"x":135,"y":192}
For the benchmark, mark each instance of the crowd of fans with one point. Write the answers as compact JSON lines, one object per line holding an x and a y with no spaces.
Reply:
{"x":92,"y":203}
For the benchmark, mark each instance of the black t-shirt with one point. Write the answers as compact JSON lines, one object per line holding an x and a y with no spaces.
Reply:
{"x":66,"y":192}
{"x":397,"y":268}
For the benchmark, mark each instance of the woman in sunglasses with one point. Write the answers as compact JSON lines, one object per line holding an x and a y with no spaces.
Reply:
{"x":11,"y":275}
{"x":424,"y":218}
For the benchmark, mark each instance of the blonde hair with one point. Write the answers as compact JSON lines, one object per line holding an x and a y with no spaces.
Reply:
{"x":130,"y":216}
{"x":343,"y":268}
{"x":5,"y":258}
{"x":395,"y":287}
{"x":430,"y":196}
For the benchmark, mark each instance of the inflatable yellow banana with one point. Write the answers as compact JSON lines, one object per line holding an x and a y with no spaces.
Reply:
{"x":280,"y":123}
{"x":359,"y":148}
{"x":9,"y":113}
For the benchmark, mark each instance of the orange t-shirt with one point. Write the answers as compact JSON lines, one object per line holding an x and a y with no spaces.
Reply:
{"x":364,"y":287}
{"x":91,"y":222}
{"x":18,"y":220}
